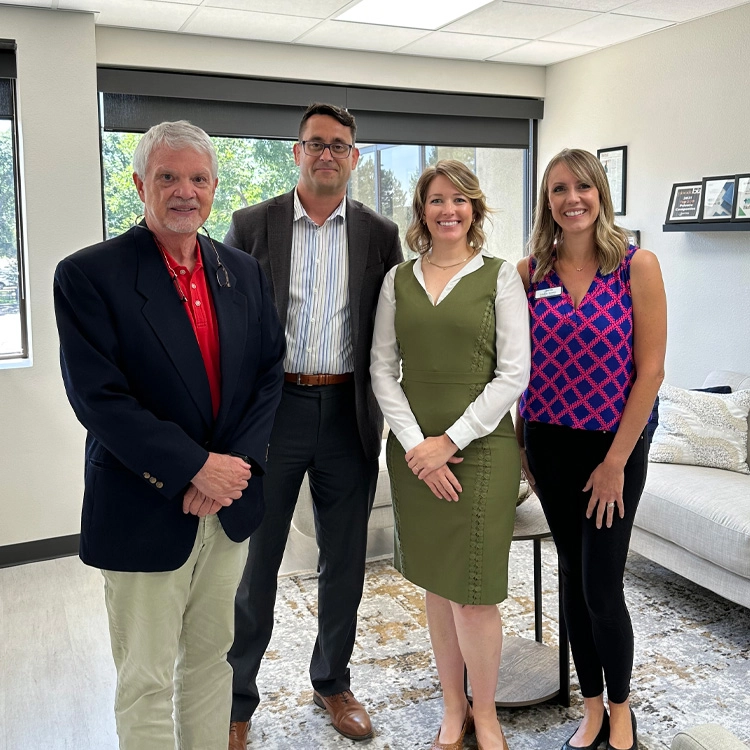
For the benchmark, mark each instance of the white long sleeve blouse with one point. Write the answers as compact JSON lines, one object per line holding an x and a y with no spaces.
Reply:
{"x":483,"y":415}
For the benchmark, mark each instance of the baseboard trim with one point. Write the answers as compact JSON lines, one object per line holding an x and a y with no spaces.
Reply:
{"x":42,"y":549}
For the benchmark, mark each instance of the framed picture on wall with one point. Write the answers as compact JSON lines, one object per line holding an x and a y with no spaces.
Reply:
{"x":634,"y":236}
{"x":685,"y":202}
{"x":717,"y":198}
{"x":741,"y":207}
{"x":615,"y":163}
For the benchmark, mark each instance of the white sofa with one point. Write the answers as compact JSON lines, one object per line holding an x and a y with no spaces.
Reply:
{"x":696,"y":520}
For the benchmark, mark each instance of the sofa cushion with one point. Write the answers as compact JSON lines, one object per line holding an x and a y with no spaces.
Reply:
{"x":706,"y":511}
{"x":702,"y":429}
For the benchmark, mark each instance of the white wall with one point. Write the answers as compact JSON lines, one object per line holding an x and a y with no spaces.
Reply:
{"x":41,"y":444}
{"x":678,"y":99}
{"x":183,"y":52}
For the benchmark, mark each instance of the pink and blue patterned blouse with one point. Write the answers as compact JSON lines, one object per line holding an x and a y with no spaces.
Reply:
{"x":582,"y":366}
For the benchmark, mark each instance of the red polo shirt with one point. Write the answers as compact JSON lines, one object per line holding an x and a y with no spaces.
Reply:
{"x":200,"y":309}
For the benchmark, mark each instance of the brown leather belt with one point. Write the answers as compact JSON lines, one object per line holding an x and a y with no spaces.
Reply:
{"x":322,"y":379}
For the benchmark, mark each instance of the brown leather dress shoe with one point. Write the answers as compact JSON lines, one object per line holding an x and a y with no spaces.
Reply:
{"x":467,"y":728}
{"x":348,"y":716}
{"x":238,"y":734}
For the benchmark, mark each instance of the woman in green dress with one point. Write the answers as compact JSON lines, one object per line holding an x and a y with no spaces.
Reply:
{"x":450,"y":357}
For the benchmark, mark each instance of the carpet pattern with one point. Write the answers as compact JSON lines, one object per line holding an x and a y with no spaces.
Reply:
{"x":692,"y":662}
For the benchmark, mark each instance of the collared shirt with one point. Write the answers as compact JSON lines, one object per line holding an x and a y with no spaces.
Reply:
{"x":483,"y":415}
{"x":200,"y":310}
{"x":318,"y":324}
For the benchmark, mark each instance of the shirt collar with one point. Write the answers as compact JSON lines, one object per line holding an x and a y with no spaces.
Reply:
{"x":300,"y":213}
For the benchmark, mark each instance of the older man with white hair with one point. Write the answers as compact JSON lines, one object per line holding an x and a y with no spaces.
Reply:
{"x":171,"y":354}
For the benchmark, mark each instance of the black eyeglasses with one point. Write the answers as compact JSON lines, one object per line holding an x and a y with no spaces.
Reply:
{"x":316,"y":148}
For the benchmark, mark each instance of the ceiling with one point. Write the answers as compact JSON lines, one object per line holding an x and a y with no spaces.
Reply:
{"x":527,"y":32}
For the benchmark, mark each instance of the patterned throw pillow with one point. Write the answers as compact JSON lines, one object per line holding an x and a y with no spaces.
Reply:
{"x":702,"y":429}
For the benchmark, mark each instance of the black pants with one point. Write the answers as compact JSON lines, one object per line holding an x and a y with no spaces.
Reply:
{"x":592,"y":560}
{"x":315,"y":431}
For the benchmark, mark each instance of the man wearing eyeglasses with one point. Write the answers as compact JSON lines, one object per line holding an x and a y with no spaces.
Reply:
{"x":171,"y":354}
{"x":326,"y":256}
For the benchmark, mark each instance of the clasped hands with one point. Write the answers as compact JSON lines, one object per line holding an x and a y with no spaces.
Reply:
{"x":429,"y":462}
{"x":217,"y":485}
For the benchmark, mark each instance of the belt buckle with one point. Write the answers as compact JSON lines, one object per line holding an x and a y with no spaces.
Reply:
{"x":299,"y":381}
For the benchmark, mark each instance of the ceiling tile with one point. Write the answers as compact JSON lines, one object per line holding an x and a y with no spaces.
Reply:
{"x":460,"y":46}
{"x":414,"y":14}
{"x":542,"y":53}
{"x":520,"y":21}
{"x":31,"y":3}
{"x":247,"y":24}
{"x":607,"y":29}
{"x":304,"y":8}
{"x":684,"y":10}
{"x":135,"y":14}
{"x":602,"y":6}
{"x":363,"y":36}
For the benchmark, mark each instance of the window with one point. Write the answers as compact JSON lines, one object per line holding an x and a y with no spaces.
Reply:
{"x":13,"y":332}
{"x":386,"y":176}
{"x":254,"y":123}
{"x":250,"y":170}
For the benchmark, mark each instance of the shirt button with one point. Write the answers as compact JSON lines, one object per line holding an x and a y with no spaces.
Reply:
{"x":197,"y":303}
{"x":182,"y":272}
{"x":192,"y":286}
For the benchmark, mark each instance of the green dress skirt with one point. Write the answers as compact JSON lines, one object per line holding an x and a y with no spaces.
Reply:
{"x":457,"y":550}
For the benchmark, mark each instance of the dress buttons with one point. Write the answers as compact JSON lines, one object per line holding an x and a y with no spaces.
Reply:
{"x":146,"y":475}
{"x":152,"y":480}
{"x":159,"y":485}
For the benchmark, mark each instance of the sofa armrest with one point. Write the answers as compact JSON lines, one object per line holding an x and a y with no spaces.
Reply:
{"x":707,"y":737}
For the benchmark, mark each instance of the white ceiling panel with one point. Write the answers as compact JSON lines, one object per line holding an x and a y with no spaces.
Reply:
{"x":416,"y":14}
{"x":135,"y":14}
{"x":542,"y":53}
{"x":460,"y":46}
{"x":31,"y":3}
{"x":363,"y":36}
{"x":607,"y":29}
{"x":601,"y":6}
{"x":304,"y":8}
{"x":684,"y":10}
{"x":247,"y":24}
{"x":520,"y":21}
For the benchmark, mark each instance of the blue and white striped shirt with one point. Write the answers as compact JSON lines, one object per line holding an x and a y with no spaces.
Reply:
{"x":318,"y":325}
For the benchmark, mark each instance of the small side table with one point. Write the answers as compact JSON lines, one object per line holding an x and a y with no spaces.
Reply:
{"x":531,"y":671}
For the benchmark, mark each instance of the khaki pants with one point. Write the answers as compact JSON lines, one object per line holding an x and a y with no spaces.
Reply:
{"x":170,"y":635}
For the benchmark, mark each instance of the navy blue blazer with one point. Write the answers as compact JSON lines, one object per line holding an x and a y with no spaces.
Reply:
{"x":135,"y":378}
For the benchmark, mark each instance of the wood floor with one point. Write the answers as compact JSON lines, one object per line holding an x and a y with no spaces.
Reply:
{"x":56,"y":673}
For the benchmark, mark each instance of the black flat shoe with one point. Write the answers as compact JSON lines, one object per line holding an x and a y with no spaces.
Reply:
{"x":634,"y":746}
{"x":603,"y":736}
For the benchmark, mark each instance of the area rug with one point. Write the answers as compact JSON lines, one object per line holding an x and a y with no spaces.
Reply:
{"x":692,"y":662}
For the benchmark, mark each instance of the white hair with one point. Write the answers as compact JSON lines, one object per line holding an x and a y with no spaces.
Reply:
{"x":175,"y":135}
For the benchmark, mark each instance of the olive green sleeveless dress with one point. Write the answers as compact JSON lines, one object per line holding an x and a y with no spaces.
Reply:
{"x":458,"y":550}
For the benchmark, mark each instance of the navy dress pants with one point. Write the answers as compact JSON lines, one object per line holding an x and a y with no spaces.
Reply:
{"x":315,"y":431}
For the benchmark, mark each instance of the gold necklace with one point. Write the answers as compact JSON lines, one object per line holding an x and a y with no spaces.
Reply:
{"x":452,"y":265}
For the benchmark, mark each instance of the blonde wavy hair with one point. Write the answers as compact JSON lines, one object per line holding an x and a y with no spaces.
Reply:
{"x":611,"y":241}
{"x":465,"y":181}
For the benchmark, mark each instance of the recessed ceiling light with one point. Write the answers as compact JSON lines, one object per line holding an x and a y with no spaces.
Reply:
{"x":415,"y":14}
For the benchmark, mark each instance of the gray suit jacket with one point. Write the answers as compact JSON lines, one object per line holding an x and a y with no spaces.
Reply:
{"x":265,"y":232}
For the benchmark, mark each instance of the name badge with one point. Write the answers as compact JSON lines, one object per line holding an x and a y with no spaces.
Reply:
{"x":554,"y":291}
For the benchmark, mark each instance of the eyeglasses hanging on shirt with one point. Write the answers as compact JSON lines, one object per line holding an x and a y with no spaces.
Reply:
{"x":222,"y":275}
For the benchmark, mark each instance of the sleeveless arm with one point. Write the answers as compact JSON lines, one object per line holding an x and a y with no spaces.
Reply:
{"x":483,"y":415}
{"x":385,"y":370}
